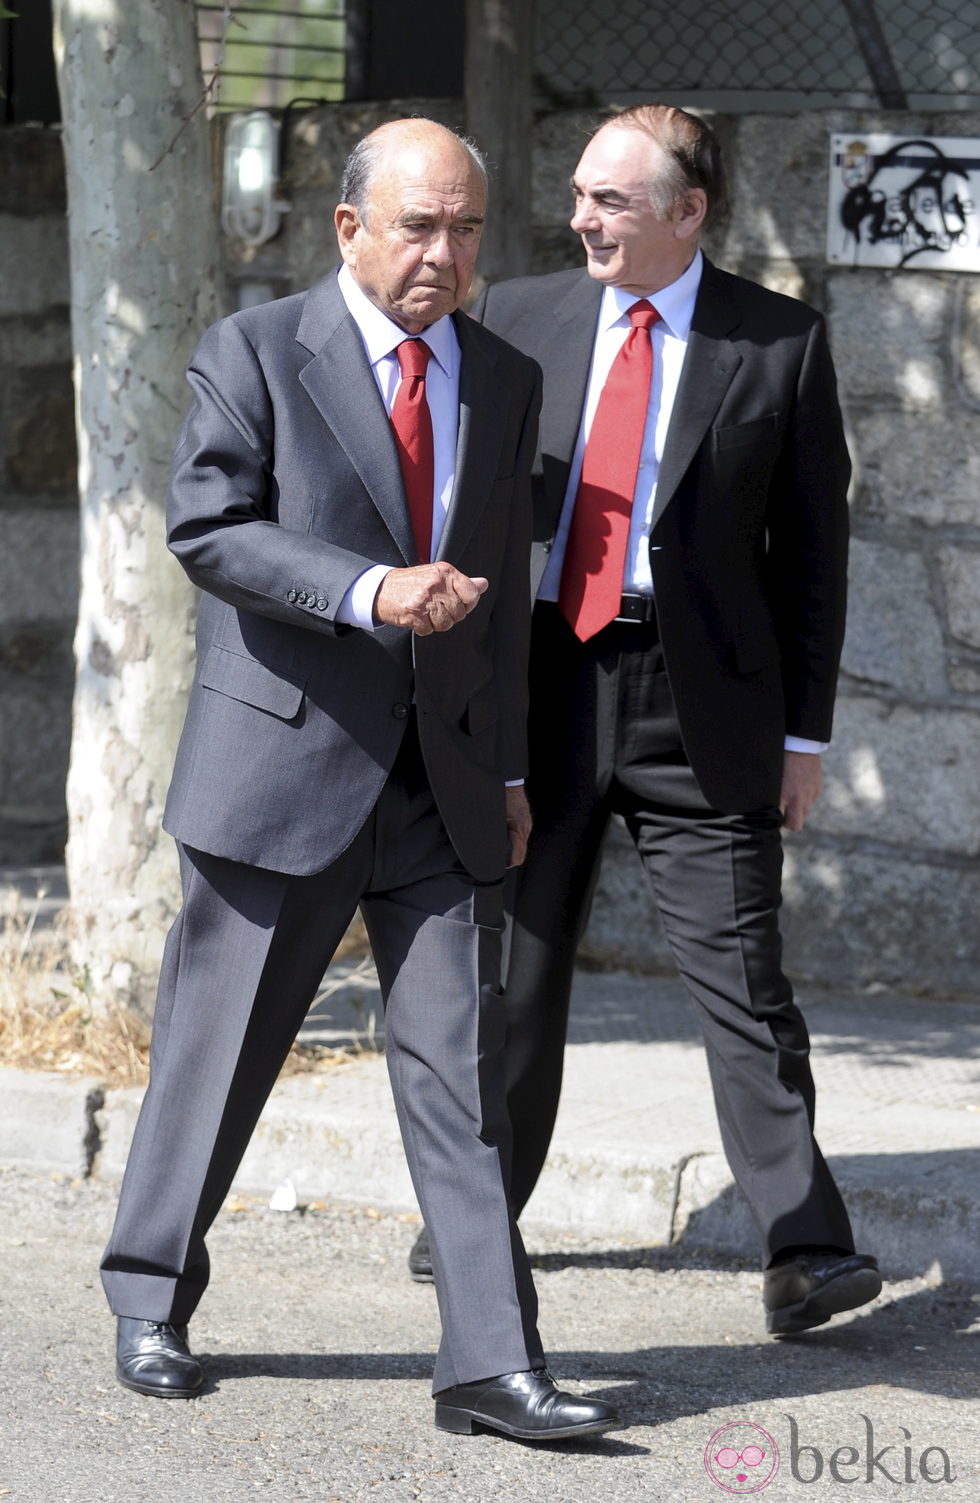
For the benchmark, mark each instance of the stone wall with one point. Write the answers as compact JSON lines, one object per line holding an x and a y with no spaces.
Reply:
{"x":38,"y":498}
{"x":884,"y":887}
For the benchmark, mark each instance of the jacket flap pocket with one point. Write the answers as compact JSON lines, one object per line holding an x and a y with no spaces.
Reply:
{"x":754,"y":651}
{"x":481,"y":712}
{"x":252,"y":682}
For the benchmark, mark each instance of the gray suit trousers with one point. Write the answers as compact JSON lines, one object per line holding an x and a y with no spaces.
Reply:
{"x":242,"y":964}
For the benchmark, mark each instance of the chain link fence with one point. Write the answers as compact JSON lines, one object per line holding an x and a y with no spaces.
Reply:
{"x":749,"y":55}
{"x":897,"y":54}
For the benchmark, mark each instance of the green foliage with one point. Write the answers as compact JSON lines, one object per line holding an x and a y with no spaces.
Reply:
{"x":274,"y":52}
{"x":6,"y":15}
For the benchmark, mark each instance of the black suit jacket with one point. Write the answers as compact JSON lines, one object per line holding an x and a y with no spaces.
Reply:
{"x":286,"y":486}
{"x":749,"y":542}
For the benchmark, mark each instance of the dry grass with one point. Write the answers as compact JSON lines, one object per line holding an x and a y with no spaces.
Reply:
{"x":48,"y":1020}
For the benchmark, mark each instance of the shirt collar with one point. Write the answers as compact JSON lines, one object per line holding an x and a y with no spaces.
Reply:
{"x":674,"y":303}
{"x":381,"y":335}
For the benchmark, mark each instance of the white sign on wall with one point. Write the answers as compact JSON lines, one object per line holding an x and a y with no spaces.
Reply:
{"x":904,"y":201}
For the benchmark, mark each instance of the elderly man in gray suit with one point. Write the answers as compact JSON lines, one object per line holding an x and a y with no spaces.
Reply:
{"x":351,"y":493}
{"x":689,"y":563}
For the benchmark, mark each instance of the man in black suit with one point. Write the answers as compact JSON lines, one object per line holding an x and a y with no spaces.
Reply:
{"x":689,"y":564}
{"x":351,"y":493}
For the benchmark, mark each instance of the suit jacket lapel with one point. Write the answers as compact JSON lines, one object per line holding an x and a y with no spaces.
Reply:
{"x":478,"y":441}
{"x":341,"y":383}
{"x":709,"y":365}
{"x":565,"y":356}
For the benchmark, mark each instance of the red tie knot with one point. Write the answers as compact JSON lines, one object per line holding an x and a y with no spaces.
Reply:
{"x":413,"y":357}
{"x":643,"y":315}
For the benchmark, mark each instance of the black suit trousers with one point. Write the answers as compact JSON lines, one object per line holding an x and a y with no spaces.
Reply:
{"x":605,"y":740}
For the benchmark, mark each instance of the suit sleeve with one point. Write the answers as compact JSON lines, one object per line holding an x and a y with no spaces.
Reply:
{"x":512,"y":611}
{"x":220,"y":524}
{"x":808,"y":540}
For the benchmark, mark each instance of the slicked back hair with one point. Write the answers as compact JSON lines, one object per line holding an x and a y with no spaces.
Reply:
{"x":692,"y":157}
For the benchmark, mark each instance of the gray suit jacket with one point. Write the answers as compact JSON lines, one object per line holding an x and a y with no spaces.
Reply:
{"x":286,"y":486}
{"x":749,"y":540}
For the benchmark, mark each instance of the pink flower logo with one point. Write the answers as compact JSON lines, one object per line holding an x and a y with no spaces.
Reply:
{"x":741,"y":1457}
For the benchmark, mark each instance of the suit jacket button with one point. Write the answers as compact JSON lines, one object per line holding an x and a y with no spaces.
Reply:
{"x":292,"y":597}
{"x":301,"y":597}
{"x":400,"y":711}
{"x":321,"y":602}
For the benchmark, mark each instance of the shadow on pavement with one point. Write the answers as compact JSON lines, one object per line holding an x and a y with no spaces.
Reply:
{"x":920,"y":1343}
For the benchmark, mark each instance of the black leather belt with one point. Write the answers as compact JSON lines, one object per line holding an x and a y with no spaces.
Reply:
{"x":636,"y":608}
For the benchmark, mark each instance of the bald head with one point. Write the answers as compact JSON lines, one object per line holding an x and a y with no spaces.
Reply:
{"x":360,"y":165}
{"x":410,"y":221}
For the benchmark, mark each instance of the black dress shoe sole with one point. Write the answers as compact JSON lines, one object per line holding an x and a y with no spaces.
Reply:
{"x":469,"y":1422}
{"x":833,"y":1298}
{"x":157,"y":1390}
{"x":421,"y":1275}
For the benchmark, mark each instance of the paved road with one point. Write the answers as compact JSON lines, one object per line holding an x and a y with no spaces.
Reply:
{"x":319,"y":1351}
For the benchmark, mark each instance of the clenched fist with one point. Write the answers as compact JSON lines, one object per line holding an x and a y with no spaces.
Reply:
{"x":426,"y":597}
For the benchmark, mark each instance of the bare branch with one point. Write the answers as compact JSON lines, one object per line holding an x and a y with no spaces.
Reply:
{"x":227,"y":17}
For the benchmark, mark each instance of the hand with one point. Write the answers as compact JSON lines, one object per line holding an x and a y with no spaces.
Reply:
{"x":518,"y":824}
{"x":427,"y":597}
{"x":802,"y":781}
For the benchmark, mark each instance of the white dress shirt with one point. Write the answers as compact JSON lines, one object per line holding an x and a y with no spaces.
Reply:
{"x":381,"y":336}
{"x":670,"y":334}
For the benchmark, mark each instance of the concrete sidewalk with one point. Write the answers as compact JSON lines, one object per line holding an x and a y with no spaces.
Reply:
{"x":636,"y":1154}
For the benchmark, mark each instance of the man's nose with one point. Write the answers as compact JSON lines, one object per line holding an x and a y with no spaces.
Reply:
{"x":584,"y":217}
{"x":439,"y":252}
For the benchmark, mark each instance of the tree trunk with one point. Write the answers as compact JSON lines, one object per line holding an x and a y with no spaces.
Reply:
{"x":144,"y":268}
{"x":498,"y":71}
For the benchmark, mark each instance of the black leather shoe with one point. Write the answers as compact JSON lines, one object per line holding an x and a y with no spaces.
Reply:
{"x":807,"y":1290}
{"x":153,"y":1357}
{"x":420,"y":1259}
{"x":528,"y":1405}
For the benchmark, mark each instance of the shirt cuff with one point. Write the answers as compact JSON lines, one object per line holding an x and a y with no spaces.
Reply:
{"x":801,"y":744}
{"x":357,"y":606}
{"x":514,"y":783}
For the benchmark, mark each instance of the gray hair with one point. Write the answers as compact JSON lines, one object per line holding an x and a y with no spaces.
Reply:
{"x":361,"y":165}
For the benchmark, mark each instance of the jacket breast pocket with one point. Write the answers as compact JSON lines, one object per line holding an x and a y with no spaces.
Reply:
{"x":252,"y":683}
{"x":759,"y":430}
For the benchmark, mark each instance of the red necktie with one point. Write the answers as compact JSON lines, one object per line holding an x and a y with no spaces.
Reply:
{"x":592,"y":574}
{"x":412,"y":423}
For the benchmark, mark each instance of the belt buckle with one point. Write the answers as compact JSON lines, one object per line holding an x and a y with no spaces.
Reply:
{"x":635,"y":609}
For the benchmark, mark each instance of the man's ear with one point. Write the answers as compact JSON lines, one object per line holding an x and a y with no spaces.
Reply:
{"x":690,"y":213}
{"x":347,"y":222}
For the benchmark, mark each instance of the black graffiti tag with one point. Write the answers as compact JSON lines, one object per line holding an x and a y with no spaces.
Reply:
{"x":927,"y":212}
